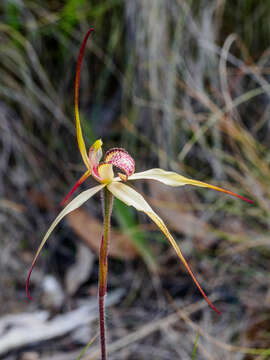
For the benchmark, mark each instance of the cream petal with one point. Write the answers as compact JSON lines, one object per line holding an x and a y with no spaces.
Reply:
{"x":73,"y":205}
{"x":129,"y":196}
{"x":132,"y":198}
{"x":166,"y":177}
{"x":173,"y":179}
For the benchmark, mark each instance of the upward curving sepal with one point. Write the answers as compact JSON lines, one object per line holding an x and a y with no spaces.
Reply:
{"x":80,"y":139}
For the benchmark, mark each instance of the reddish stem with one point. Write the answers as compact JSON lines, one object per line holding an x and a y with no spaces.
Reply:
{"x":102,"y":330}
{"x":103,"y":268}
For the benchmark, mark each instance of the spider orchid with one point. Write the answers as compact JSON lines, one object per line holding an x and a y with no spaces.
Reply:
{"x":111,"y":185}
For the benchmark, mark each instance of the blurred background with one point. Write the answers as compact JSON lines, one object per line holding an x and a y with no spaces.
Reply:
{"x":182,"y":85}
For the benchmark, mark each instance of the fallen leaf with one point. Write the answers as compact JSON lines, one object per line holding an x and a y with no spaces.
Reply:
{"x":90,"y":230}
{"x":80,"y":270}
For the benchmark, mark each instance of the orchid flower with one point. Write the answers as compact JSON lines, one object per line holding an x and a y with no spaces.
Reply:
{"x":117,"y":186}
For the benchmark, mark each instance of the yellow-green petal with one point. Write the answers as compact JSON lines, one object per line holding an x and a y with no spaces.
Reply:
{"x":173,"y":179}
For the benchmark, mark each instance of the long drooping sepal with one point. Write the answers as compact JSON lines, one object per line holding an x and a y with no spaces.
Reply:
{"x":132,"y":198}
{"x":173,"y":179}
{"x":74,"y":204}
{"x":80,"y":139}
{"x":78,"y":183}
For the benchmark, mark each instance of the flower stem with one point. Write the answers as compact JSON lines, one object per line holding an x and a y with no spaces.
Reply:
{"x":103,"y":266}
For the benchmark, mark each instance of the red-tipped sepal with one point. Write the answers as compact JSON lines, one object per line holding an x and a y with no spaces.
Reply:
{"x":75,"y":187}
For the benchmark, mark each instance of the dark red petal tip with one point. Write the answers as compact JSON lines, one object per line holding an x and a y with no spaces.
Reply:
{"x":27,"y":283}
{"x":28,"y":279}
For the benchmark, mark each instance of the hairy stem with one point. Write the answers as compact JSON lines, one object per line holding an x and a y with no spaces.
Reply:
{"x":103,"y":267}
